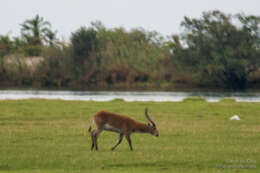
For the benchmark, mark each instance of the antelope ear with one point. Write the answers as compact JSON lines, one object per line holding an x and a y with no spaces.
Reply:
{"x":149,"y":124}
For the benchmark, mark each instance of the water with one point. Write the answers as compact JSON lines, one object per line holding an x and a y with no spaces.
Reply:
{"x":127,"y":96}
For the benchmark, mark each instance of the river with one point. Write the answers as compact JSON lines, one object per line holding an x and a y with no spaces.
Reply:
{"x":127,"y":96}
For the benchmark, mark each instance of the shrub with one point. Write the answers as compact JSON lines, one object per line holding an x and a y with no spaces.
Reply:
{"x":32,"y":50}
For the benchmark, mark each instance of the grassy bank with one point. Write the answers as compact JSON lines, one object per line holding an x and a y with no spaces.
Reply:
{"x":195,"y":136}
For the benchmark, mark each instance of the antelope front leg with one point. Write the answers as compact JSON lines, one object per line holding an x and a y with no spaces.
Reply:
{"x":119,"y":141}
{"x":92,"y":139}
{"x":127,"y":136}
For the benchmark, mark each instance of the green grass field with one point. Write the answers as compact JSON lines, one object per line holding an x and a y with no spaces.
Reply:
{"x":195,"y":136}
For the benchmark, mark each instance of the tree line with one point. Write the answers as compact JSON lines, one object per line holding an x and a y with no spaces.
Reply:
{"x":215,"y":51}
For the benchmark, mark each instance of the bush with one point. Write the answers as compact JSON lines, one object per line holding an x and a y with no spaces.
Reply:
{"x":84,"y":40}
{"x":223,"y":52}
{"x":32,"y":50}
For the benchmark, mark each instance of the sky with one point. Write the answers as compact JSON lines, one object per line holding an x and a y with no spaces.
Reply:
{"x":163,"y":16}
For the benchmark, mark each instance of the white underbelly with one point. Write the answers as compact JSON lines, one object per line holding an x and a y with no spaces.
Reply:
{"x":111,"y":128}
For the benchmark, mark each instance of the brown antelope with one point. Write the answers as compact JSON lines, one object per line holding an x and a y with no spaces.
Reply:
{"x":123,"y":125}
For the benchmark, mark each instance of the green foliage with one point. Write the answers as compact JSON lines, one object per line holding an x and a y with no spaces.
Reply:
{"x":130,"y":56}
{"x":221,"y":51}
{"x":6,"y":45}
{"x":51,"y":38}
{"x":113,"y":56}
{"x":84,"y":41}
{"x":35,"y":31}
{"x":215,"y":51}
{"x":16,"y":72}
{"x":31,"y":51}
{"x":55,"y":71}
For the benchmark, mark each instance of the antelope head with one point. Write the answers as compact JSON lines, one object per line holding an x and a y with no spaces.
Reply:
{"x":151,"y":125}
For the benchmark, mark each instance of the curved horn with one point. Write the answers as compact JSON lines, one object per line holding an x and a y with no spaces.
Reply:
{"x":148,"y":117}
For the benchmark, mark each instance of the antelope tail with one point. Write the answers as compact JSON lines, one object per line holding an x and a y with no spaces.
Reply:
{"x":90,"y":127}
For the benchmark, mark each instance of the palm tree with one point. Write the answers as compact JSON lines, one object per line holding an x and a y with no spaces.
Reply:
{"x":50,"y":37}
{"x":35,"y":30}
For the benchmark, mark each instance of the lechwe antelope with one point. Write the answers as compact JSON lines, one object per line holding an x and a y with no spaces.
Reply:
{"x":123,"y":125}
